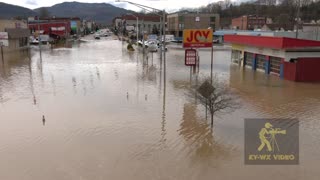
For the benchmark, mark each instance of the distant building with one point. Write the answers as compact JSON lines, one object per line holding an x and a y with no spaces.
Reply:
{"x":177,"y":22}
{"x":149,"y":24}
{"x":313,"y":29}
{"x":250,"y":22}
{"x":88,"y":26}
{"x":18,"y":33}
{"x":55,"y":27}
{"x":116,"y":22}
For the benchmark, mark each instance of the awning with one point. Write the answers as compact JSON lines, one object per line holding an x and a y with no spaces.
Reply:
{"x":58,"y":33}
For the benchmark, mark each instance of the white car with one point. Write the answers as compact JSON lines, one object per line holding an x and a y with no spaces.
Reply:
{"x":152,"y":45}
{"x":96,"y":36}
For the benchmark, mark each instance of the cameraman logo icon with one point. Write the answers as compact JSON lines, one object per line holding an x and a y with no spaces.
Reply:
{"x":269,"y":141}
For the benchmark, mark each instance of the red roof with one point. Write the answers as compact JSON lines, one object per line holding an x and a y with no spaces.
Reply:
{"x":271,"y":42}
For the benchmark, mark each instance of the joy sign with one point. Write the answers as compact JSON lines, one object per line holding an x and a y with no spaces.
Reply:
{"x":197,"y":38}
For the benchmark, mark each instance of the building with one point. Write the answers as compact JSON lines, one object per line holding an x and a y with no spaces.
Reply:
{"x":56,"y":27}
{"x":289,"y":58}
{"x":88,"y":26}
{"x":116,"y":22}
{"x":312,"y":29}
{"x":147,"y":24}
{"x":250,"y":22}
{"x":177,"y":22}
{"x":18,"y":33}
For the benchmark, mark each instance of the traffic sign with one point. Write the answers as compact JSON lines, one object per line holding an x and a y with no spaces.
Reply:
{"x":4,"y":39}
{"x":190,"y":57}
{"x":197,"y":38}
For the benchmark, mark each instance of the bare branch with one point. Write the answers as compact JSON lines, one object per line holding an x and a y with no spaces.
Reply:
{"x":216,"y":97}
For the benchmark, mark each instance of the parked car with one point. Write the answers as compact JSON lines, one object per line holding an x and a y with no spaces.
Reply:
{"x":96,"y":36}
{"x":152,"y":45}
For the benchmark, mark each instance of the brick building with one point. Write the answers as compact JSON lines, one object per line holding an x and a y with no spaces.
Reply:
{"x":55,"y":27}
{"x":250,"y":22}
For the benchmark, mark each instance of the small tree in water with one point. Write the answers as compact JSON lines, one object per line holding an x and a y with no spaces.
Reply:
{"x":216,"y":97}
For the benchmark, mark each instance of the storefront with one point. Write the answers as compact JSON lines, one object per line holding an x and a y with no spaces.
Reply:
{"x":288,"y":58}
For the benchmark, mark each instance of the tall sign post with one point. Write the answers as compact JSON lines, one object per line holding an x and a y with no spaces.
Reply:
{"x":2,"y":52}
{"x":197,"y":38}
{"x":3,"y":42}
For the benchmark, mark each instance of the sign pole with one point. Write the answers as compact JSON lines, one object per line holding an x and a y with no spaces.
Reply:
{"x":211,"y":63}
{"x":198,"y":57}
{"x":39,"y":40}
{"x":2,"y":54}
{"x":190,"y":75}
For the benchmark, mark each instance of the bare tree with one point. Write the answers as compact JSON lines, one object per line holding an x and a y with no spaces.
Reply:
{"x":216,"y":97}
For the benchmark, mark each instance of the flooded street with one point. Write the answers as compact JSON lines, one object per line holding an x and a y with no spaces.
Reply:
{"x":110,"y":114}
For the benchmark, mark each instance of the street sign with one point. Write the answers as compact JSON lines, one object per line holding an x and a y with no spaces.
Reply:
{"x":190,"y":57}
{"x":4,"y":39}
{"x":197,"y":38}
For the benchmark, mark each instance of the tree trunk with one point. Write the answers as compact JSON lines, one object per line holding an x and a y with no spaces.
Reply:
{"x":211,"y":120}
{"x":206,"y":109}
{"x":211,"y":112}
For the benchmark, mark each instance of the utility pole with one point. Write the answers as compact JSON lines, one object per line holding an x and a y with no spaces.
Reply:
{"x":164,"y":41}
{"x":143,"y":45}
{"x":137,"y":30}
{"x":148,"y":9}
{"x":161,"y":26}
{"x":1,"y":45}
{"x":39,"y":39}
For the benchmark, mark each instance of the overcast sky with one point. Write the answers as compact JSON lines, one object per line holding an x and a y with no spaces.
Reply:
{"x":159,"y":4}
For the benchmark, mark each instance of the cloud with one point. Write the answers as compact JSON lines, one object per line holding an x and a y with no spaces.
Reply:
{"x":32,"y":2}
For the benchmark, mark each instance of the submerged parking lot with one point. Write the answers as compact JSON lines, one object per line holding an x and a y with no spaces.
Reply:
{"x":111,"y":114}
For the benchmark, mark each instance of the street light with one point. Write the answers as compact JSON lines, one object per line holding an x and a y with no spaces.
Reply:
{"x":161,"y":20}
{"x":137,"y":30}
{"x":154,"y":9}
{"x":163,"y":28}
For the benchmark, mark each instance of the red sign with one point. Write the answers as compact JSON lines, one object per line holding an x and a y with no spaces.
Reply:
{"x":190,"y":57}
{"x":197,"y":38}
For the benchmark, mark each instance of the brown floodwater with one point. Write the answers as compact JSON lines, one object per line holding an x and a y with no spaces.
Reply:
{"x":109,"y":114}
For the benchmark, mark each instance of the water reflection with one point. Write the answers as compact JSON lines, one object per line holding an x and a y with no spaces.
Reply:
{"x":98,"y":73}
{"x":273,"y":96}
{"x":53,"y":85}
{"x":74,"y":82}
{"x":163,"y":122}
{"x":199,"y":136}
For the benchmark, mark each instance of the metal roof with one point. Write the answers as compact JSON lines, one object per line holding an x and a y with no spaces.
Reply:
{"x":271,"y":42}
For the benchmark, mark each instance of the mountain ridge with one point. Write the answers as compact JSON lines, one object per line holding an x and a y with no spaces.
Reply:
{"x":100,"y":12}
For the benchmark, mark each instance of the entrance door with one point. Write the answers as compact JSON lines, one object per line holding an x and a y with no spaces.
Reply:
{"x":248,"y":59}
{"x":261,"y":59}
{"x":275,"y":65}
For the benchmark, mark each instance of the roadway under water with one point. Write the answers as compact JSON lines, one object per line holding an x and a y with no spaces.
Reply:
{"x":109,"y":114}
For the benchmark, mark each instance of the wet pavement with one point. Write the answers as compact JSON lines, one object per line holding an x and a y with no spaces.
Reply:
{"x":91,"y":111}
